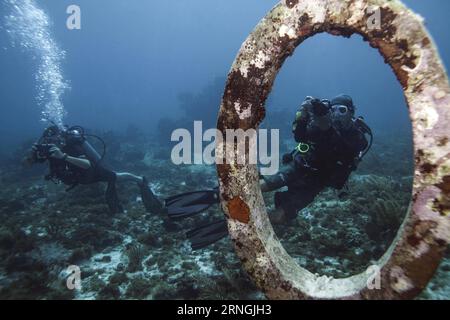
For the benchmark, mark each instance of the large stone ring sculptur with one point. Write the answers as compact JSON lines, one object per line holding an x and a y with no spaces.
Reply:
{"x":410,"y":262}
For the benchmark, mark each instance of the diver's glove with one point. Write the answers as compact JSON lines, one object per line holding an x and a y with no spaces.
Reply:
{"x":56,"y":153}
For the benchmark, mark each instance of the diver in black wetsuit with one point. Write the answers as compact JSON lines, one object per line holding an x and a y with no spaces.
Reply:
{"x":73,"y":161}
{"x":331,"y":143}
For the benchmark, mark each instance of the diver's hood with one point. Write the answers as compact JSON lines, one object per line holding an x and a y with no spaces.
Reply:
{"x":343,"y":100}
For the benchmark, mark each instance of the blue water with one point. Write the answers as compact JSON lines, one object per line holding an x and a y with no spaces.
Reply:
{"x":29,"y":28}
{"x":138,"y":69}
{"x":130,"y":62}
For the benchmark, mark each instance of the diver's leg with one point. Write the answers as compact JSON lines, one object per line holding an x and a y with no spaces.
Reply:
{"x":277,"y":216}
{"x":110,"y":177}
{"x":151,"y":202}
{"x":289,"y":203}
{"x":112,"y":199}
{"x":126,"y":176}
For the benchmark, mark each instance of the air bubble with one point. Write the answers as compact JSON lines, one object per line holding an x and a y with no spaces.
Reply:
{"x":28,"y":26}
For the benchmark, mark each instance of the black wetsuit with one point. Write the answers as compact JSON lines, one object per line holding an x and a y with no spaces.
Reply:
{"x":331,"y":158}
{"x":72,"y":175}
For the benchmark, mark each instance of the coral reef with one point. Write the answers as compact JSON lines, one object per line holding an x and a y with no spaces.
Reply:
{"x":138,"y":255}
{"x":340,"y":237}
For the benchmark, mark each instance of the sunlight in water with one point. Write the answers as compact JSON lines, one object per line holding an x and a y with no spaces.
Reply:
{"x":29,"y":27}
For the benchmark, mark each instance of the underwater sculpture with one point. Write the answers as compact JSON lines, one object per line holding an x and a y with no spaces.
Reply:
{"x":409,"y":264}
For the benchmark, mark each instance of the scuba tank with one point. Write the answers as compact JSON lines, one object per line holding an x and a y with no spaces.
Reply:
{"x":90,"y":152}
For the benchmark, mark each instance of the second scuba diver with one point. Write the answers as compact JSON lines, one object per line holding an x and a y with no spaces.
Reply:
{"x":73,"y":161}
{"x":331,"y":144}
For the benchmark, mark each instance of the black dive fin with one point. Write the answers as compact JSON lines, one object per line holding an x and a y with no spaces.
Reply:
{"x":151,"y":202}
{"x":188,"y":204}
{"x":207,"y":234}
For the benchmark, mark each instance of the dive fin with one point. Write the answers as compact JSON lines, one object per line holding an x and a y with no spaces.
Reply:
{"x":151,"y":202}
{"x":188,"y":204}
{"x":207,"y":234}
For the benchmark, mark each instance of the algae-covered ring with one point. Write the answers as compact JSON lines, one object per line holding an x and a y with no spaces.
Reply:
{"x":402,"y":39}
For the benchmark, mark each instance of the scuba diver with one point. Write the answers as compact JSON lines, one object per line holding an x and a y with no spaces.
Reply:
{"x":73,"y":161}
{"x":331,"y":143}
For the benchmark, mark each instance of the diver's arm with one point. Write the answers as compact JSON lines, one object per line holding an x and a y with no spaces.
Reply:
{"x":267,"y":187}
{"x":274,"y":182}
{"x":79,"y":162}
{"x":312,"y":118}
{"x":263,"y":185}
{"x":56,"y":153}
{"x":33,"y":157}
